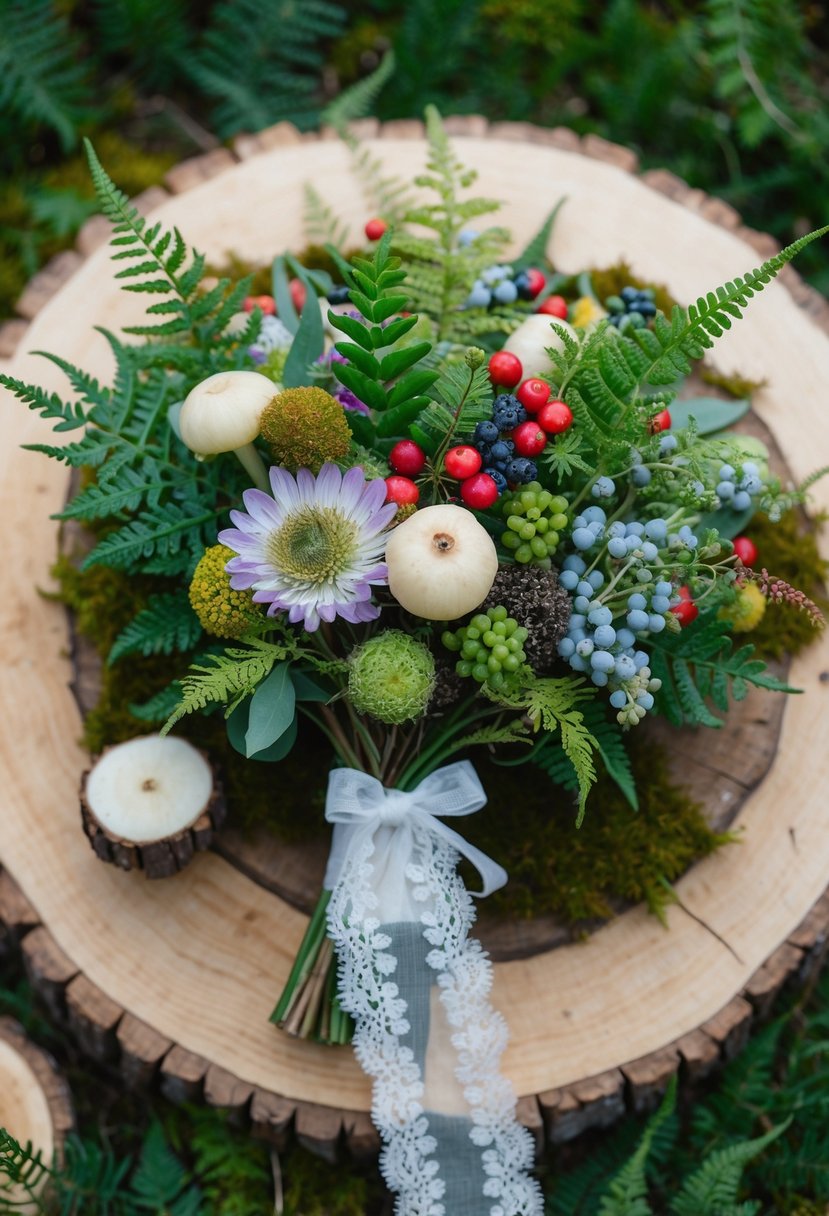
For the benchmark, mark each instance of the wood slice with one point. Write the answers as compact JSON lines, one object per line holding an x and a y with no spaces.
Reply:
{"x":199,"y":962}
{"x":141,"y":810}
{"x":35,"y":1102}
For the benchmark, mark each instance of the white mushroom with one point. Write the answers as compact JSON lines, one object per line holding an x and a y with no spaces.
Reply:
{"x":441,"y":562}
{"x":221,"y":414}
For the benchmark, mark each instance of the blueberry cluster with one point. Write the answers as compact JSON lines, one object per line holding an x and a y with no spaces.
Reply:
{"x":606,"y":649}
{"x":737,"y":491}
{"x":339,"y":294}
{"x":490,"y":647}
{"x":498,"y":284}
{"x":535,"y":520}
{"x":497,"y":450}
{"x":631,"y":309}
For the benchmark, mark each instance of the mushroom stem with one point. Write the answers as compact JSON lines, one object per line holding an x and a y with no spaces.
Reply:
{"x":254,"y":466}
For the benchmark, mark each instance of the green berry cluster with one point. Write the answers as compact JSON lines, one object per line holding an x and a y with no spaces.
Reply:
{"x":490,"y":647}
{"x":535,"y":520}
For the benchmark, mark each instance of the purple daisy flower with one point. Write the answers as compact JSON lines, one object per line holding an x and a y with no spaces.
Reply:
{"x":315,"y":549}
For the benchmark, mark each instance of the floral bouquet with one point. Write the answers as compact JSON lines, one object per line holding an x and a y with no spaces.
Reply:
{"x":432,"y":499}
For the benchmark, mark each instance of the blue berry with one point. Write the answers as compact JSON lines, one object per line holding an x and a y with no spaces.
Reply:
{"x":604,"y":636}
{"x":617,"y":547}
{"x":583,"y":538}
{"x":635,"y":529}
{"x":503,"y":449}
{"x":466,"y":237}
{"x":641,"y":476}
{"x":486,"y":432}
{"x":637,"y":601}
{"x":625,"y":669}
{"x":638,"y":620}
{"x":656,"y":529}
{"x":625,"y":638}
{"x":599,"y":678}
{"x":601,"y":660}
{"x":585,"y":647}
{"x":661,"y":604}
{"x":568,"y":579}
{"x":593,"y":515}
{"x":645,"y":699}
{"x":479,"y":297}
{"x":498,"y":477}
{"x":506,"y":292}
{"x":575,"y":563}
{"x":617,"y":529}
{"x":603,"y":487}
{"x":581,"y":603}
{"x":727,"y":473}
{"x":619,"y":698}
{"x":566,"y":647}
{"x":585,"y":588}
{"x":656,"y":623}
{"x":667,"y":444}
{"x":601,"y":616}
{"x":741,"y":501}
{"x":725,"y":490}
{"x":522,"y":470}
{"x":649,"y":551}
{"x":596,"y":579}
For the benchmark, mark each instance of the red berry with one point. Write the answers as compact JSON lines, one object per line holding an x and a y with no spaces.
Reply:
{"x":661,"y":422}
{"x":554,"y":306}
{"x":555,"y":417}
{"x":462,"y":461}
{"x":298,"y":293}
{"x":529,"y":439}
{"x":536,"y":282}
{"x":505,"y":369}
{"x":685,"y":611}
{"x":401,"y":490}
{"x":266,"y":303}
{"x":375,"y":229}
{"x":479,"y":491}
{"x":746,"y":550}
{"x":407,"y":457}
{"x":533,"y":394}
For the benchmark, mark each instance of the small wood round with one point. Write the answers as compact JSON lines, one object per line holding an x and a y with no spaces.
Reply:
{"x":161,"y":856}
{"x":35,"y":1103}
{"x":176,"y":981}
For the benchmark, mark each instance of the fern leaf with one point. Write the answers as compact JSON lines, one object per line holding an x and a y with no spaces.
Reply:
{"x":21,"y":1164}
{"x":714,"y":1186}
{"x":320,"y":224}
{"x":42,"y":70}
{"x":168,"y":623}
{"x":358,"y":99}
{"x":628,"y":1193}
{"x":534,"y":252}
{"x":172,"y":535}
{"x":158,"y":707}
{"x":229,"y":678}
{"x":700,"y":663}
{"x":160,"y":1183}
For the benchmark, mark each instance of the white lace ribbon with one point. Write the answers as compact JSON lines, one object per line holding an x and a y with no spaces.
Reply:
{"x":395,"y":862}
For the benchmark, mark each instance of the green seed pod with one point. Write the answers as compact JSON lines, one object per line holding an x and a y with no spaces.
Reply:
{"x":391,"y":677}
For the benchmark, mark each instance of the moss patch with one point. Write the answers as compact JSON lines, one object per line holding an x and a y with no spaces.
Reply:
{"x":789,"y":549}
{"x":582,"y":873}
{"x":610,"y":281}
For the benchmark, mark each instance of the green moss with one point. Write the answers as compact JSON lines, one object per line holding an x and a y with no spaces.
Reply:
{"x":580,"y":873}
{"x":609,"y":281}
{"x":789,"y":549}
{"x":735,"y":386}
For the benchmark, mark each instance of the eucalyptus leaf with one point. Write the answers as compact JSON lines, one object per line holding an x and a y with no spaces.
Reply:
{"x":710,"y":413}
{"x":272,"y":710}
{"x":535,"y":252}
{"x":307,"y":689}
{"x":237,"y":726}
{"x":282,"y":295}
{"x":307,"y":346}
{"x":173,"y":416}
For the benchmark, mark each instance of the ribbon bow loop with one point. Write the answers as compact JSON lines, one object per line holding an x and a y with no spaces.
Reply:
{"x":357,"y":799}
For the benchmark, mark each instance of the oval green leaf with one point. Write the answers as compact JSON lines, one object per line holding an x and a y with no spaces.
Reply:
{"x":711,"y":413}
{"x":272,"y":710}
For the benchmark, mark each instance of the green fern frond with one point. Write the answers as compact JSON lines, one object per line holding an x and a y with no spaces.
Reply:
{"x":359,"y":99}
{"x":160,"y":1183}
{"x":228,"y":679}
{"x":628,"y":1193}
{"x":280,"y":44}
{"x":712,"y":1189}
{"x":320,"y":224}
{"x":42,"y":69}
{"x":167,"y":624}
{"x":463,"y":399}
{"x":21,"y":1165}
{"x":165,"y":539}
{"x":155,"y":35}
{"x":698,"y":665}
{"x":158,"y":707}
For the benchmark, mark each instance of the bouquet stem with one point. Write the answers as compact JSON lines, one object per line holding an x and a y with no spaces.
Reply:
{"x":308,"y":1007}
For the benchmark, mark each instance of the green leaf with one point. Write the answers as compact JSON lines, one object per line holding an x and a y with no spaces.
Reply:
{"x":534,"y":252}
{"x":710,"y":413}
{"x":283,"y":299}
{"x":272,"y":710}
{"x":307,"y":689}
{"x":397,"y":361}
{"x":307,"y":346}
{"x":237,"y":728}
{"x":168,"y":623}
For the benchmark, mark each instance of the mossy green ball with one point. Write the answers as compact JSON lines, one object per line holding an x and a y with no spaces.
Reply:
{"x":391,"y":677}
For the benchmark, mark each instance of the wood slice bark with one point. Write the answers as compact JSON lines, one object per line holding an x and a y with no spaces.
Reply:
{"x":198,"y":962}
{"x":35,"y":1101}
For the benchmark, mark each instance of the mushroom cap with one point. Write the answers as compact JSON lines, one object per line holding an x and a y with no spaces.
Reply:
{"x":531,"y":341}
{"x":222,"y":412}
{"x":149,"y":788}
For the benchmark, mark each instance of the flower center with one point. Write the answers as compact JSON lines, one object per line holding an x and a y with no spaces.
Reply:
{"x":314,"y":544}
